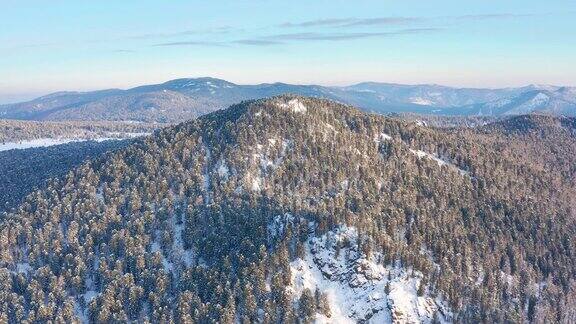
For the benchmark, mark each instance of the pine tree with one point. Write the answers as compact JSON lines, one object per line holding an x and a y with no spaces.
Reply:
{"x":307,"y":306}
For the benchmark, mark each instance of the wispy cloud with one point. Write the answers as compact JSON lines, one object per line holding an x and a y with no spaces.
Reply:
{"x":315,"y":36}
{"x":391,"y":21}
{"x":493,"y":16}
{"x":29,"y":46}
{"x":123,"y":51}
{"x":279,"y":39}
{"x":347,"y":22}
{"x":193,"y":43}
{"x":256,"y":42}
{"x":385,"y":21}
{"x":349,"y":29}
{"x":189,"y":32}
{"x":319,"y":22}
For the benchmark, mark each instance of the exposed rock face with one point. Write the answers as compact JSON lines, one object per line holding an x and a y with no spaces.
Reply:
{"x":358,"y":288}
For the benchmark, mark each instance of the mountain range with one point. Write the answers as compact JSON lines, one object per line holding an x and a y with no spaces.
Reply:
{"x":182,"y":99}
{"x":294,"y":209}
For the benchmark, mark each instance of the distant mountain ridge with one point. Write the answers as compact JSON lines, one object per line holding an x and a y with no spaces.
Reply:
{"x":299,"y":210}
{"x":182,"y":99}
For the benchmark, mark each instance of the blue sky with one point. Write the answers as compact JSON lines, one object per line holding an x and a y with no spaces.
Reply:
{"x":81,"y":45}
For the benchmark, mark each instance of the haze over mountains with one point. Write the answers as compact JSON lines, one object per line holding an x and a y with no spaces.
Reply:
{"x":183,"y":99}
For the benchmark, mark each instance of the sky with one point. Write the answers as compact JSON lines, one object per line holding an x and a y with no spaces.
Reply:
{"x":48,"y":46}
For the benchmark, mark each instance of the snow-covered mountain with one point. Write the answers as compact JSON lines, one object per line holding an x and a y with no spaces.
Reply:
{"x":560,"y":101}
{"x":296,"y":210}
{"x":183,"y":99}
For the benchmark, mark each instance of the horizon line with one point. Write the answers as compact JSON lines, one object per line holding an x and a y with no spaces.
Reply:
{"x":33,"y":95}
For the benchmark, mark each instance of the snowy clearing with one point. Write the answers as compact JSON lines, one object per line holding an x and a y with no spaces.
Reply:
{"x":46,"y":142}
{"x":441,"y":162}
{"x":41,"y":142}
{"x":294,"y":105}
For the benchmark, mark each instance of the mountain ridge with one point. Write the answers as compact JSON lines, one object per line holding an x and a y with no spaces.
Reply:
{"x":185,"y":98}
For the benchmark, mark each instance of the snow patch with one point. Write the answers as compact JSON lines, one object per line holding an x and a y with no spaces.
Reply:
{"x":286,"y":144}
{"x":124,"y":135}
{"x":256,"y":184}
{"x":179,"y":253}
{"x":385,"y":137}
{"x":167,"y":265}
{"x":46,"y":142}
{"x":441,"y":162}
{"x":539,"y":99}
{"x":382,"y":137}
{"x":294,"y":105}
{"x":421,"y":101}
{"x":23,"y":267}
{"x":279,"y":224}
{"x":206,"y":183}
{"x":89,"y":295}
{"x":222,"y":170}
{"x":100,"y":194}
{"x":498,"y":103}
{"x":40,"y":142}
{"x":266,"y":159}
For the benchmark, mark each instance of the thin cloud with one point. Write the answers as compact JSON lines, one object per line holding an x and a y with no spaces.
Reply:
{"x":385,"y":21}
{"x":30,"y":46}
{"x":493,"y":16}
{"x":347,"y":22}
{"x":193,"y":43}
{"x":391,"y":21}
{"x":124,"y":51}
{"x":257,"y":42}
{"x":279,"y":39}
{"x":314,"y":36}
{"x":319,"y":22}
{"x":190,"y":32}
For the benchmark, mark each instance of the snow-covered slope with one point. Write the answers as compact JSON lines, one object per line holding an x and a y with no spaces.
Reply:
{"x":359,"y":288}
{"x":45,"y":142}
{"x":441,"y":162}
{"x":558,"y":102}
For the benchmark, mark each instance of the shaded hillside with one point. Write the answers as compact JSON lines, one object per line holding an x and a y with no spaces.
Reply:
{"x":23,"y":171}
{"x":442,"y":121}
{"x":260,"y":212}
{"x":543,"y":143}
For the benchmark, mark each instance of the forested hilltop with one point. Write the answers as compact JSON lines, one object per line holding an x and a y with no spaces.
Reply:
{"x":259,"y":212}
